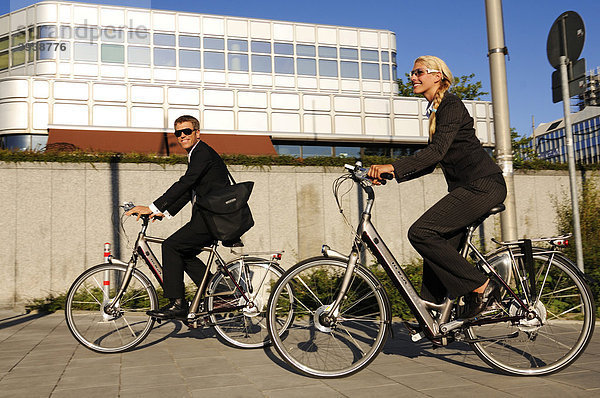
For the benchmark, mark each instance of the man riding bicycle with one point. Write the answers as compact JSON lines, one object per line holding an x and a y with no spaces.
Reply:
{"x":206,"y":172}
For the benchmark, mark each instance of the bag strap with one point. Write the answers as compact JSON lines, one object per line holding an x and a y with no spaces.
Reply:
{"x":230,"y":176}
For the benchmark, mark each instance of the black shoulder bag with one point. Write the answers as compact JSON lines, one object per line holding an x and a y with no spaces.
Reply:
{"x":226,"y":212}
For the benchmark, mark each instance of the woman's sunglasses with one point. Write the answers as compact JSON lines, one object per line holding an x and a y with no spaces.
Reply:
{"x":187,"y":131}
{"x":421,"y":72}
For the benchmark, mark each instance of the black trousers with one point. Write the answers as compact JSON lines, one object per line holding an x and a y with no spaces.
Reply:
{"x":438,"y":233}
{"x":179,"y":253}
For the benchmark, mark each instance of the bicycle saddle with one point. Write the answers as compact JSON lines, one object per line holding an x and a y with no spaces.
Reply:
{"x":494,"y":210}
{"x":233,"y":243}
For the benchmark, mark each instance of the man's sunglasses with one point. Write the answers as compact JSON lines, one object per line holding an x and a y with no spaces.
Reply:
{"x":187,"y":131}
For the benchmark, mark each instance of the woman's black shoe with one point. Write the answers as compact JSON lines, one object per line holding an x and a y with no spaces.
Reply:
{"x":477,"y":302}
{"x":177,"y":308}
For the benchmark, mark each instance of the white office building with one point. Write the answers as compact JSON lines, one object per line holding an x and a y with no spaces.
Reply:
{"x":88,"y":74}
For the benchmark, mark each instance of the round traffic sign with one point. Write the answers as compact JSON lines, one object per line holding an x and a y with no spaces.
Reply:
{"x":566,"y":37}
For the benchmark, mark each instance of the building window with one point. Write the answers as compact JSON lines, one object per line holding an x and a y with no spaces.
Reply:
{"x":327,"y":52}
{"x":18,"y":57}
{"x":385,"y":56}
{"x":65,"y":32}
{"x":65,"y":50}
{"x":385,"y":71}
{"x":213,"y":43}
{"x":112,"y":35}
{"x":305,"y":50}
{"x":347,"y":151}
{"x":138,"y":55}
{"x":306,"y":66}
{"x":237,"y":62}
{"x":86,"y":34}
{"x":85,"y":52}
{"x":47,"y":32}
{"x":46,"y":50}
{"x":370,"y":71}
{"x":349,"y":70}
{"x":369,"y":55}
{"x":261,"y":63}
{"x":261,"y":47}
{"x":328,"y":68}
{"x":112,"y":53}
{"x":189,"y":41}
{"x":189,"y":59}
{"x":164,"y":56}
{"x":237,"y":45}
{"x":138,"y":37}
{"x":316,"y":150}
{"x":283,"y":48}
{"x":4,"y":43}
{"x":348,"y":53}
{"x":164,"y":39}
{"x":214,"y":60}
{"x":284,"y":65}
{"x":288,"y":150}
{"x":18,"y":38}
{"x":3,"y":60}
{"x":24,"y":142}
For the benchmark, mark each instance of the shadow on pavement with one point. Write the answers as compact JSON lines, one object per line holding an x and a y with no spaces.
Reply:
{"x":18,"y":319}
{"x":456,"y":353}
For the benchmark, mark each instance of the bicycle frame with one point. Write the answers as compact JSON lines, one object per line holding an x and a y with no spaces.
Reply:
{"x":142,"y":248}
{"x":421,"y":309}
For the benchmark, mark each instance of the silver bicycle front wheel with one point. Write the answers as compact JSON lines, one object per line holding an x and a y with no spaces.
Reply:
{"x":120,"y":330}
{"x":562,"y":328}
{"x":320,"y":344}
{"x":240,"y":322}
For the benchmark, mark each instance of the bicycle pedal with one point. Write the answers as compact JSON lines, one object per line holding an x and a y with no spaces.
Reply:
{"x":417,"y":336}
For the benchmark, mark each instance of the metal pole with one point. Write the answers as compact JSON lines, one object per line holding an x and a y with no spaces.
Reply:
{"x":564,"y":81}
{"x":496,"y":53}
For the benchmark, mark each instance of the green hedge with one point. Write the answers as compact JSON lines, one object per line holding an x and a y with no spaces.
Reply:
{"x":243,"y":160}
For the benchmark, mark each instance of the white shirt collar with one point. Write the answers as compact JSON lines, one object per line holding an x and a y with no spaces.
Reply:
{"x":192,"y":150}
{"x":429,"y":109}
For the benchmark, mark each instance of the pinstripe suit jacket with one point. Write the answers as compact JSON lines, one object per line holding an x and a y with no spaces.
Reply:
{"x":454,"y":146}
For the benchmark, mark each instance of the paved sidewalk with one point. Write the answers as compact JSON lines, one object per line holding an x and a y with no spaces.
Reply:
{"x":40,"y":358}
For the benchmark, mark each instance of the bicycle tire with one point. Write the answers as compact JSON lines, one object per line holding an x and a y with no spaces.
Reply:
{"x":560,"y":333}
{"x":246,"y":327}
{"x":311,"y":344}
{"x":102,"y":332}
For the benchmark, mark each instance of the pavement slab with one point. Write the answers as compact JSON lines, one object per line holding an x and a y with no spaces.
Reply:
{"x":40,"y":358}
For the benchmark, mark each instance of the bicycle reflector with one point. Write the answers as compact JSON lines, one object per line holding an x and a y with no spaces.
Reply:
{"x":277,"y":256}
{"x":560,"y":242}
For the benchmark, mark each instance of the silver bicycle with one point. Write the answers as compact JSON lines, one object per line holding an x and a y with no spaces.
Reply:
{"x":106,"y":305}
{"x":542,"y":321}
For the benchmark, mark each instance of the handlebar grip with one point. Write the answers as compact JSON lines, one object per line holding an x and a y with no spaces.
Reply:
{"x":387,"y":176}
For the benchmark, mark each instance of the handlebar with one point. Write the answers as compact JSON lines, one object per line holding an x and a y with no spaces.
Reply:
{"x":359,"y":173}
{"x":129,"y":205}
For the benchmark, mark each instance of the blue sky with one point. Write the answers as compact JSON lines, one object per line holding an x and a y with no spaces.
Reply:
{"x":454,"y":30}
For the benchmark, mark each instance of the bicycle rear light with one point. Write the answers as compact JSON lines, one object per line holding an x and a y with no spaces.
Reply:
{"x":560,"y":242}
{"x":277,"y":256}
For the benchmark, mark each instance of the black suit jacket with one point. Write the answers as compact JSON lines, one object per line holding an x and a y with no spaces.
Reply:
{"x":454,"y":146}
{"x":206,"y":171}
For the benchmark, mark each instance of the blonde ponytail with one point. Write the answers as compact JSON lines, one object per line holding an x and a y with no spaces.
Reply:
{"x":436,"y":63}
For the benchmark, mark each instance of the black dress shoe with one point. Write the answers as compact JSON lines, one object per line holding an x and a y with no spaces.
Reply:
{"x":477,"y":302}
{"x":177,"y":308}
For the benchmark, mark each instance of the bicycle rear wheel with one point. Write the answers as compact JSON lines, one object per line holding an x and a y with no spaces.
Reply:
{"x":556,"y":337}
{"x":322,"y":346}
{"x":121,"y":330}
{"x":244,"y":327}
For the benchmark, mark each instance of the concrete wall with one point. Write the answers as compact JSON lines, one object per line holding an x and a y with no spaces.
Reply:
{"x":56,"y":217}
